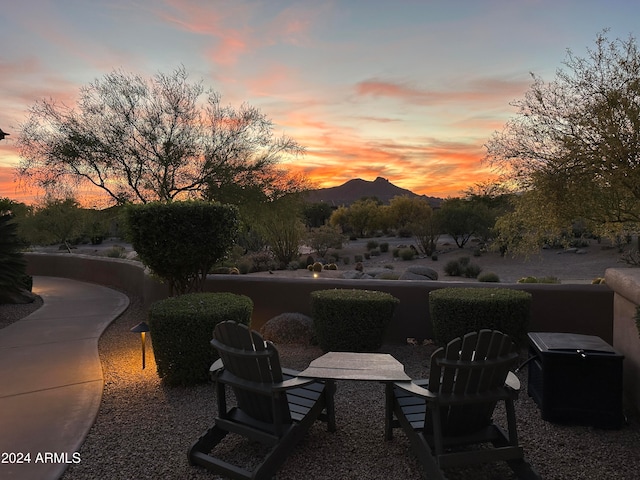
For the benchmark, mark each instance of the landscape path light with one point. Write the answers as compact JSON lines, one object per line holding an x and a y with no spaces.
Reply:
{"x":142,"y":328}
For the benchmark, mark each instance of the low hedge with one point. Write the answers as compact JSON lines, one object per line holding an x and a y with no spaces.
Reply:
{"x":351,"y":320}
{"x":457,"y":311}
{"x":182,"y":329}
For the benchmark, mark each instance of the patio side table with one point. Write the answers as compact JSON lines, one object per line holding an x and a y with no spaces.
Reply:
{"x":368,"y":367}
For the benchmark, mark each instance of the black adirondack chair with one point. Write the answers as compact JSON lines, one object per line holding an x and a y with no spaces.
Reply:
{"x":454,"y":407}
{"x":273,"y":406}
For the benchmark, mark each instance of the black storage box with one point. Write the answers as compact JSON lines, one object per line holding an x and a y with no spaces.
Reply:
{"x":576,"y":379}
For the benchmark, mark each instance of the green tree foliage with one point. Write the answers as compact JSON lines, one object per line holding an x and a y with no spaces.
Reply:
{"x":181,"y":241}
{"x":462,"y":219}
{"x":415,"y":215}
{"x":12,"y":263}
{"x":280,"y":224}
{"x":164,"y":138}
{"x":362,"y":218}
{"x":316,"y":214}
{"x":575,"y":144}
{"x":323,"y":238}
{"x":57,"y":221}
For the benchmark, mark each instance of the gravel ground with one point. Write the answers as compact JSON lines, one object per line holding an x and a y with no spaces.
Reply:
{"x":144,"y":429}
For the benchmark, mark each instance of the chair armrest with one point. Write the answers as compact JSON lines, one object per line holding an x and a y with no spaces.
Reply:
{"x":215,"y":366}
{"x":292,"y":383}
{"x":512,"y":382}
{"x":417,"y":390}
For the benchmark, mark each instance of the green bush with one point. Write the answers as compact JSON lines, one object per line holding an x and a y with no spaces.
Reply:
{"x":453,"y":268}
{"x":375,"y":252}
{"x":472,"y":270}
{"x":407,"y":253}
{"x":462,"y":267}
{"x":384,"y":247}
{"x":371,"y":244}
{"x":489,"y":277}
{"x":13,"y":266}
{"x":351,"y":320}
{"x":182,"y":329}
{"x":181,"y":241}
{"x":456,"y":311}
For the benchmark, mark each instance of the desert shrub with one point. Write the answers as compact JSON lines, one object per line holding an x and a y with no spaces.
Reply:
{"x":462,"y":267}
{"x":116,"y":251}
{"x":182,"y":328}
{"x":532,"y":279}
{"x":244,"y":266}
{"x":346,"y":260}
{"x":489,"y":277}
{"x":395,"y":252}
{"x":456,"y":311}
{"x":375,"y":252}
{"x":453,"y":268}
{"x":367,"y":255}
{"x":472,"y":270}
{"x":384,"y":247}
{"x":289,"y":328}
{"x":262,"y":261}
{"x":332,"y":266}
{"x":316,"y":267}
{"x":181,"y":241}
{"x":358,"y":258}
{"x":434,"y":257}
{"x":388,"y":275}
{"x":351,"y":320}
{"x":407,"y":254}
{"x":371,"y":244}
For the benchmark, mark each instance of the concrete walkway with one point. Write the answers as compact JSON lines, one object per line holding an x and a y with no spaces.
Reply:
{"x":51,"y":377}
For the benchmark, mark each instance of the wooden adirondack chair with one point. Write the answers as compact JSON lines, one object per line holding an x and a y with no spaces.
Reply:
{"x":273,"y":406}
{"x":454,"y":408}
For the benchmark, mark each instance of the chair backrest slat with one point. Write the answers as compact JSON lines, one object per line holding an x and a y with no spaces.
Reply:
{"x":469,"y":367}
{"x":258,"y":362}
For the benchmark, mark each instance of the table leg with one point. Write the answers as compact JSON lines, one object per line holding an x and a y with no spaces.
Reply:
{"x":388,"y":410}
{"x":331,"y":406}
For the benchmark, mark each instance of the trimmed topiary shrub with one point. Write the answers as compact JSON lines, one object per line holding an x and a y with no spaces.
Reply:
{"x":182,"y":328}
{"x":182,"y":241}
{"x":351,"y":320}
{"x":456,"y":311}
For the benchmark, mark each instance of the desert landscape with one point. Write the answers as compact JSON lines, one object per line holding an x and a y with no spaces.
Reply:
{"x":569,"y":266}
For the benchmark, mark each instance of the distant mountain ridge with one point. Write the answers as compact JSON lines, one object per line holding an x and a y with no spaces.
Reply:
{"x":355,"y":189}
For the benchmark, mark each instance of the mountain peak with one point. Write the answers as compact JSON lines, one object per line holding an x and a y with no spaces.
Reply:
{"x":356,"y":188}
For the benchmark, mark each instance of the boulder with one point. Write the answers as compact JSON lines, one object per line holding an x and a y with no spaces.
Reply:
{"x":421,"y":270}
{"x":289,"y":328}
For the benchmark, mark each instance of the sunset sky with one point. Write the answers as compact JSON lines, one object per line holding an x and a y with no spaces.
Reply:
{"x":409,"y":90}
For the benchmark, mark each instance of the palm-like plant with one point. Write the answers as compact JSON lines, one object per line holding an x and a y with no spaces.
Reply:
{"x":12,"y":263}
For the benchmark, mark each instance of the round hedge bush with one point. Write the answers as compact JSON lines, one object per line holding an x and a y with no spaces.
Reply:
{"x":351,"y":320}
{"x":182,"y":329}
{"x":457,"y":311}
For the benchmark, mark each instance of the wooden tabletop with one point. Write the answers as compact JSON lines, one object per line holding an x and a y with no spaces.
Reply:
{"x":380,"y":367}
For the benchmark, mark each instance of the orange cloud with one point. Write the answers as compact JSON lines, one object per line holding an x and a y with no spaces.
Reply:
{"x":474,"y":90}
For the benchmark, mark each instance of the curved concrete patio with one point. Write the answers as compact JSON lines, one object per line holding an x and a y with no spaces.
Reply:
{"x":51,"y":378}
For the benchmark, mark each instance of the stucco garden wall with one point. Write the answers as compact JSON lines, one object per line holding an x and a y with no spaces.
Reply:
{"x":584,"y":309}
{"x":625,"y":283}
